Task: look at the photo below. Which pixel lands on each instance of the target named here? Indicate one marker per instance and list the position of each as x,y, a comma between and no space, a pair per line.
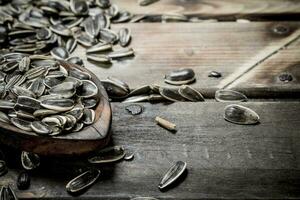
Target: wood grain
224,160
216,8
230,48
264,78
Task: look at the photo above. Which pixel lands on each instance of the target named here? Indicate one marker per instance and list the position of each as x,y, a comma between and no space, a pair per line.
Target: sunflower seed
92,26
146,2
24,115
89,103
6,193
4,104
44,112
88,116
41,128
85,40
108,36
24,64
29,160
43,33
83,181
136,99
115,88
75,60
145,89
20,91
65,90
79,7
58,104
190,93
61,30
121,53
180,76
99,58
103,3
37,87
3,167
4,118
108,155
99,47
21,124
240,115
124,36
79,74
60,53
88,89
171,94
23,181
71,45
229,96
28,104
77,127
123,16
172,174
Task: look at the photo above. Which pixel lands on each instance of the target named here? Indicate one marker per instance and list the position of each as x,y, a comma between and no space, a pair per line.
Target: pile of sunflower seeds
39,95
57,26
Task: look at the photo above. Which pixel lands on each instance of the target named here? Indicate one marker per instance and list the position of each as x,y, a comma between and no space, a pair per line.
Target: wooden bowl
87,140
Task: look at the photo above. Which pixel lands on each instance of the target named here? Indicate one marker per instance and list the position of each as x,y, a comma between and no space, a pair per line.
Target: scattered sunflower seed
180,76
83,181
108,155
172,174
229,96
190,93
23,181
240,115
146,2
29,160
6,193
3,167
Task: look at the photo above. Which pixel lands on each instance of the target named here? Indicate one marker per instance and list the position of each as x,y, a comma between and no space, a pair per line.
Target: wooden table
224,160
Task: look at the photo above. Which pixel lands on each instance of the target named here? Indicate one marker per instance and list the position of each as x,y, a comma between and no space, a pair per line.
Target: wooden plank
224,160
265,77
216,8
231,48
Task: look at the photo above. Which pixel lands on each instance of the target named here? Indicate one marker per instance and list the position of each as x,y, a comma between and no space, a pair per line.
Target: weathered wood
88,139
264,78
224,160
215,9
230,48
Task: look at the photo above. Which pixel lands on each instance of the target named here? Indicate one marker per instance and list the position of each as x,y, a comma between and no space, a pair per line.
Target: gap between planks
238,75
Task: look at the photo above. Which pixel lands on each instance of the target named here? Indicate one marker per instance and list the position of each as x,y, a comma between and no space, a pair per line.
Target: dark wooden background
224,160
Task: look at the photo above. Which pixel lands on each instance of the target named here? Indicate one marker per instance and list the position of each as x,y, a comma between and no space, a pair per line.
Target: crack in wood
235,77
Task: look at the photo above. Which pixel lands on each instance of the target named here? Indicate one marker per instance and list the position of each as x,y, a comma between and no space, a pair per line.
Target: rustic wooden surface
264,77
234,49
216,8
224,160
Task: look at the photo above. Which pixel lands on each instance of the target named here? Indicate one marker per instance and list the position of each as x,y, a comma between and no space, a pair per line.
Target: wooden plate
89,139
